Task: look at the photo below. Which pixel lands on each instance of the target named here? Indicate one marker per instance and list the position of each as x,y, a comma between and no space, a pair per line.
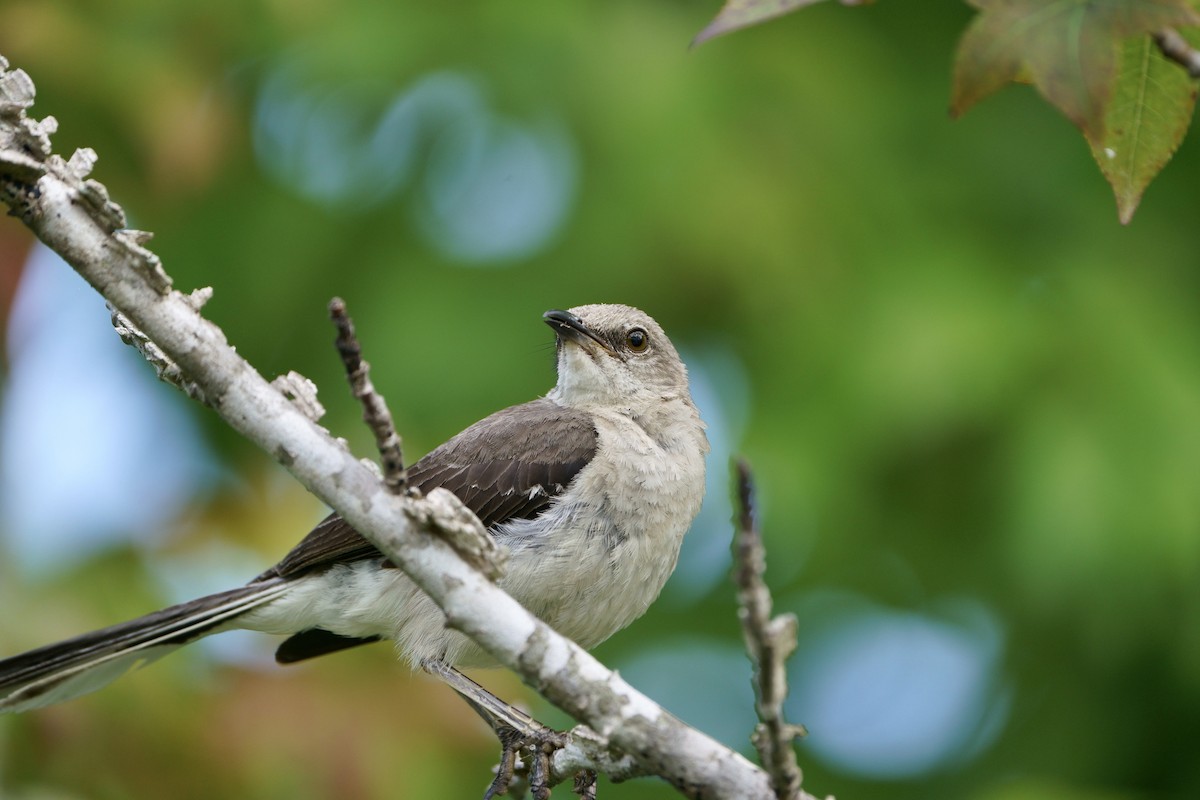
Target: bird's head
614,356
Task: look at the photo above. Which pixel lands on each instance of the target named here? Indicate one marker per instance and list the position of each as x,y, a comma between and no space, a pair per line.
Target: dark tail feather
76,666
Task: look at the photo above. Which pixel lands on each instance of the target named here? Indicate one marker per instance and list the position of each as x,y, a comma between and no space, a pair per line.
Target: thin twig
1175,47
769,641
375,410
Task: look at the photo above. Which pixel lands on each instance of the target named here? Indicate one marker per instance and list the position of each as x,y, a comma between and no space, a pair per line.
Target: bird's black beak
569,326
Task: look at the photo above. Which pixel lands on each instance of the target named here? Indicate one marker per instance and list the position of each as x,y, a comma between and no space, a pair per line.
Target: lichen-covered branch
75,218
166,369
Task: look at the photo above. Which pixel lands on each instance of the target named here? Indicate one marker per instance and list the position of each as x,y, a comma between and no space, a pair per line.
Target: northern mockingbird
591,488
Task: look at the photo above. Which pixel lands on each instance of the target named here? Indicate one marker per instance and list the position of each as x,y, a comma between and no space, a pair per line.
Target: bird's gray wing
510,465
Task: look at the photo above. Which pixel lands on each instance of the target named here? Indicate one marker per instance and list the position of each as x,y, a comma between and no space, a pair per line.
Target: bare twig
1175,47
769,641
375,410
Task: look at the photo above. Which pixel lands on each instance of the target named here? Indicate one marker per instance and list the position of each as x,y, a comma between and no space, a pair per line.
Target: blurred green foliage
965,378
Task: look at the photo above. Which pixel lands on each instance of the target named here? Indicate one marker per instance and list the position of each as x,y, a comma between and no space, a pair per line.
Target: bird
590,487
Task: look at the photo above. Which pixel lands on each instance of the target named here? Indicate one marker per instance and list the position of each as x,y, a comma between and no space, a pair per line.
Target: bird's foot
525,753
526,744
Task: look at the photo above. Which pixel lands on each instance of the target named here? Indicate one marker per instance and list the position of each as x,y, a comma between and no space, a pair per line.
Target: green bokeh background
964,378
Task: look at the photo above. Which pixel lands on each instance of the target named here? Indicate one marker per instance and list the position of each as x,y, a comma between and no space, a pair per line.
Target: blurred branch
769,641
76,219
1175,47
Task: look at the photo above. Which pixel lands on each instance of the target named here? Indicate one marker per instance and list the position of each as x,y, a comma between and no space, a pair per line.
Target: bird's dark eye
637,340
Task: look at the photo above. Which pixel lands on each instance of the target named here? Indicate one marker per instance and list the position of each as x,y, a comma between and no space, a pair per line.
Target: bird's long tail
83,664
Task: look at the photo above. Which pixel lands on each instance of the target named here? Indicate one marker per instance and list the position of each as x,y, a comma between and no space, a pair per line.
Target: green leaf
1148,116
737,14
1066,48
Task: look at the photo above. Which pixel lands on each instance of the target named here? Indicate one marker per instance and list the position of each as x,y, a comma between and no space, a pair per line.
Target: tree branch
769,641
75,218
375,410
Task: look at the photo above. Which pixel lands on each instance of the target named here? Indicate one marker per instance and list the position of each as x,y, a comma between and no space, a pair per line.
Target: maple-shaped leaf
1148,115
737,14
1066,48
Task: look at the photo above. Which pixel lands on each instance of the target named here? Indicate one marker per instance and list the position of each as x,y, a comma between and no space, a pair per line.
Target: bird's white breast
613,540
588,566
